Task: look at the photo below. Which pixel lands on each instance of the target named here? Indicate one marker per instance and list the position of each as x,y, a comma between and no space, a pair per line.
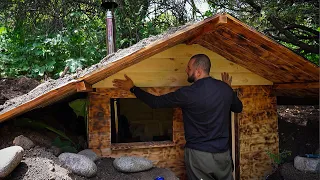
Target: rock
24,142
307,164
132,164
89,154
10,158
79,164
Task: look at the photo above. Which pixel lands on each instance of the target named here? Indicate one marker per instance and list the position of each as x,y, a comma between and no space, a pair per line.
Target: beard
191,78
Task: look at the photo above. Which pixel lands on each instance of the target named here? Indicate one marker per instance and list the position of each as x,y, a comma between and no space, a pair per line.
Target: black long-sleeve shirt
206,106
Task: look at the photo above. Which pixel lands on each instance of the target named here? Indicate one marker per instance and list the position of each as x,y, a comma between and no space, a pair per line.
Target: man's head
198,67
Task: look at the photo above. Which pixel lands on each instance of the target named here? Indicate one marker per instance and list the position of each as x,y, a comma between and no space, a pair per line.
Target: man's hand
226,78
123,84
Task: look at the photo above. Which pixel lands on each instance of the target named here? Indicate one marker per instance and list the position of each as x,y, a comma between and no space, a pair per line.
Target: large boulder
132,164
79,164
89,154
307,164
9,159
24,142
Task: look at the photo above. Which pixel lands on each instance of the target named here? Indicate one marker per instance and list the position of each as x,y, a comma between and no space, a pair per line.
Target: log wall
167,154
258,131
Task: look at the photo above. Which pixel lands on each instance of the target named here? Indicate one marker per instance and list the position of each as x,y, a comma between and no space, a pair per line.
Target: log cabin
120,125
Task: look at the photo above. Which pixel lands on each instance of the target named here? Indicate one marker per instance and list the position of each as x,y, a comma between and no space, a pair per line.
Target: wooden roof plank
229,56
311,85
266,57
240,57
272,46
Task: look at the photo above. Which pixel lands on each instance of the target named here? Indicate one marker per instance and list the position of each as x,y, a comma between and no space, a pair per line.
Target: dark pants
206,166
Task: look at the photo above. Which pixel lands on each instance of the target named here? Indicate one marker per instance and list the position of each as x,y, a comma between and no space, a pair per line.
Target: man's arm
174,99
236,105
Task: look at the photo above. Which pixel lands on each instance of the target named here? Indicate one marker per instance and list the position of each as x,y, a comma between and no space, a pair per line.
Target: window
134,121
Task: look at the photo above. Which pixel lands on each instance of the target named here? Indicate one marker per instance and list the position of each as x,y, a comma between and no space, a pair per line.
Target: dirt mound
14,87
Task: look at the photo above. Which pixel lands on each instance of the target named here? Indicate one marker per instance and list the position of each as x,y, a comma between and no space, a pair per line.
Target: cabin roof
291,74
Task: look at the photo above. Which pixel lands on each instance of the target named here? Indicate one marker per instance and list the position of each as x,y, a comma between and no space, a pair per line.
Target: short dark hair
202,61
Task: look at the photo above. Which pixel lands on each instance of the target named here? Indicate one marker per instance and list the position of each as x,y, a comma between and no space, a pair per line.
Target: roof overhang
222,34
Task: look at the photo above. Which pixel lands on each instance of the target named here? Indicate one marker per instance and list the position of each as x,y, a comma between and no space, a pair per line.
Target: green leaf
79,107
36,124
65,146
3,30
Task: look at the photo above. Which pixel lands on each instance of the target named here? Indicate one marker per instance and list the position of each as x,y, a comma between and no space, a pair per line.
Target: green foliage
79,107
278,159
41,44
67,146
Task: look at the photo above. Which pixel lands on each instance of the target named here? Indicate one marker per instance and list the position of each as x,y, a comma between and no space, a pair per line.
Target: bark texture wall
258,131
167,154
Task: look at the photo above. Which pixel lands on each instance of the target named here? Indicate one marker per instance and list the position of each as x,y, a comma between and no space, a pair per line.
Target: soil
299,134
298,130
40,163
13,87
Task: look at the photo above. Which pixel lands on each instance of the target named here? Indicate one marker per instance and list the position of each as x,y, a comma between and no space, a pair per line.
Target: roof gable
221,33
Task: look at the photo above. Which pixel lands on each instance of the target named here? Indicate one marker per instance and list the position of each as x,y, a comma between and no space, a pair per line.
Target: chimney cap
109,4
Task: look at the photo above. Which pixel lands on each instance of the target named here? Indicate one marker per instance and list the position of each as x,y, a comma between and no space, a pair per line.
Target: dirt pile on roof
14,87
54,84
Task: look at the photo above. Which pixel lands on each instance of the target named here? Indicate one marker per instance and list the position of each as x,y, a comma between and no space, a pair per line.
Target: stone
10,158
79,164
132,164
89,154
24,142
307,164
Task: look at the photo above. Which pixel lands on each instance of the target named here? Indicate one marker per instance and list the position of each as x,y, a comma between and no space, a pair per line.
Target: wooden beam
207,29
310,85
82,86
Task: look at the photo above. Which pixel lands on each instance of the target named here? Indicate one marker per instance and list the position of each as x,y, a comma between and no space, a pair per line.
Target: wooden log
310,85
83,86
141,145
207,29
